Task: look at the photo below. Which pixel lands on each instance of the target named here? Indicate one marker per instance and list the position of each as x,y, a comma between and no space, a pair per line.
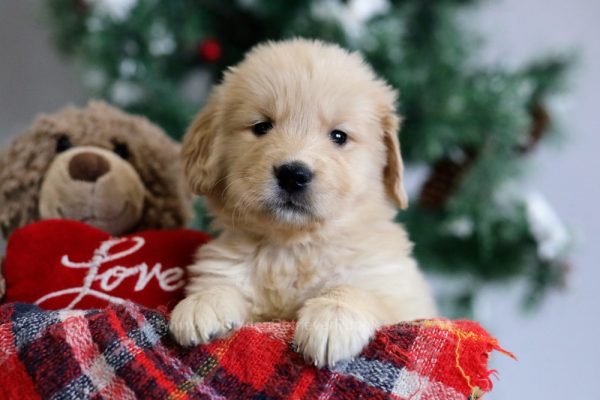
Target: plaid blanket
125,352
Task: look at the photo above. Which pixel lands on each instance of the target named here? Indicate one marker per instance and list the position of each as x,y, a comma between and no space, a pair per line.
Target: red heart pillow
66,264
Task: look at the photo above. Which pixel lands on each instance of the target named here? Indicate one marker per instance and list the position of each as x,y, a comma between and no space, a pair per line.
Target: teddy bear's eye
63,143
121,150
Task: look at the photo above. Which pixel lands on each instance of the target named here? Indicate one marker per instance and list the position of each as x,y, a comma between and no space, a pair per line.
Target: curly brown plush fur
153,155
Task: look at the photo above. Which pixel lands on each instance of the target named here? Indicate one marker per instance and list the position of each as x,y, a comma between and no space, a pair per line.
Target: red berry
210,50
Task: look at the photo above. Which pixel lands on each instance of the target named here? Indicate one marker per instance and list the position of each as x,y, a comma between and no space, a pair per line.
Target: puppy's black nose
88,167
293,177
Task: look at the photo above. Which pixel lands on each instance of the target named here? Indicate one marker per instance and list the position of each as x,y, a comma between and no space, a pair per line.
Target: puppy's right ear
199,152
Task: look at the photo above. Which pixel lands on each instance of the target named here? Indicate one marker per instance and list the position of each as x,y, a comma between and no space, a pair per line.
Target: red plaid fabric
125,352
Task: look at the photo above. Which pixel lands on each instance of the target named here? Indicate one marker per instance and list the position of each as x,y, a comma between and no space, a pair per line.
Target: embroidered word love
168,280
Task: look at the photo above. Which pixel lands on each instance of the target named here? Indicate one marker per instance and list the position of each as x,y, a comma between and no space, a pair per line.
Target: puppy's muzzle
293,177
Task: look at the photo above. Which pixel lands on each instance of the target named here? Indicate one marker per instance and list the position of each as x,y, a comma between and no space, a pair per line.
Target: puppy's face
298,134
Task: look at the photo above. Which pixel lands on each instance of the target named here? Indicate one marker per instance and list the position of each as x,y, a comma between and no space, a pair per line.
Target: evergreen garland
472,125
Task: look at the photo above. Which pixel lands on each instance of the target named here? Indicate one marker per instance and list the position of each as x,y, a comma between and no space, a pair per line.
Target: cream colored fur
344,269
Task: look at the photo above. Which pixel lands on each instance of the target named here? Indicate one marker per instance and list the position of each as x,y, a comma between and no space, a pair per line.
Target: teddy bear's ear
23,164
199,148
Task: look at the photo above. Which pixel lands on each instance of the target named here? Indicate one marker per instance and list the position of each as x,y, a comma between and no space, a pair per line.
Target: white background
558,346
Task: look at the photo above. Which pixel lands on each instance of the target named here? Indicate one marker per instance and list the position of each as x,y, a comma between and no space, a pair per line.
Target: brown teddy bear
98,165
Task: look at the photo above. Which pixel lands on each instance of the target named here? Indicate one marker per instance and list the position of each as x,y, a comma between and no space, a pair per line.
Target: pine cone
447,173
540,119
444,179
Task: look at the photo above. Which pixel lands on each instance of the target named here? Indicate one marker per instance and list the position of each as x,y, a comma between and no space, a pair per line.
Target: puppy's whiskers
243,204
243,201
224,178
225,193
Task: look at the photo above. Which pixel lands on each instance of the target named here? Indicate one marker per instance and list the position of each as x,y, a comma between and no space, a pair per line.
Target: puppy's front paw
202,317
329,331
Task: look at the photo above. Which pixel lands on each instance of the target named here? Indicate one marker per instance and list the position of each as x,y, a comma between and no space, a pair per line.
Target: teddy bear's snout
88,167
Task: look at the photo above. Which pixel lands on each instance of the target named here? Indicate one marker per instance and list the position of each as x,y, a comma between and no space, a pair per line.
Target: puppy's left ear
394,168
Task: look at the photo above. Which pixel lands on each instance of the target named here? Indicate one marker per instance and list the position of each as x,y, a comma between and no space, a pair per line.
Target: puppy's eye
338,137
262,128
63,143
121,150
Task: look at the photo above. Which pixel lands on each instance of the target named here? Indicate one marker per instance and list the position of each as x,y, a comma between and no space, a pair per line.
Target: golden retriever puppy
298,156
